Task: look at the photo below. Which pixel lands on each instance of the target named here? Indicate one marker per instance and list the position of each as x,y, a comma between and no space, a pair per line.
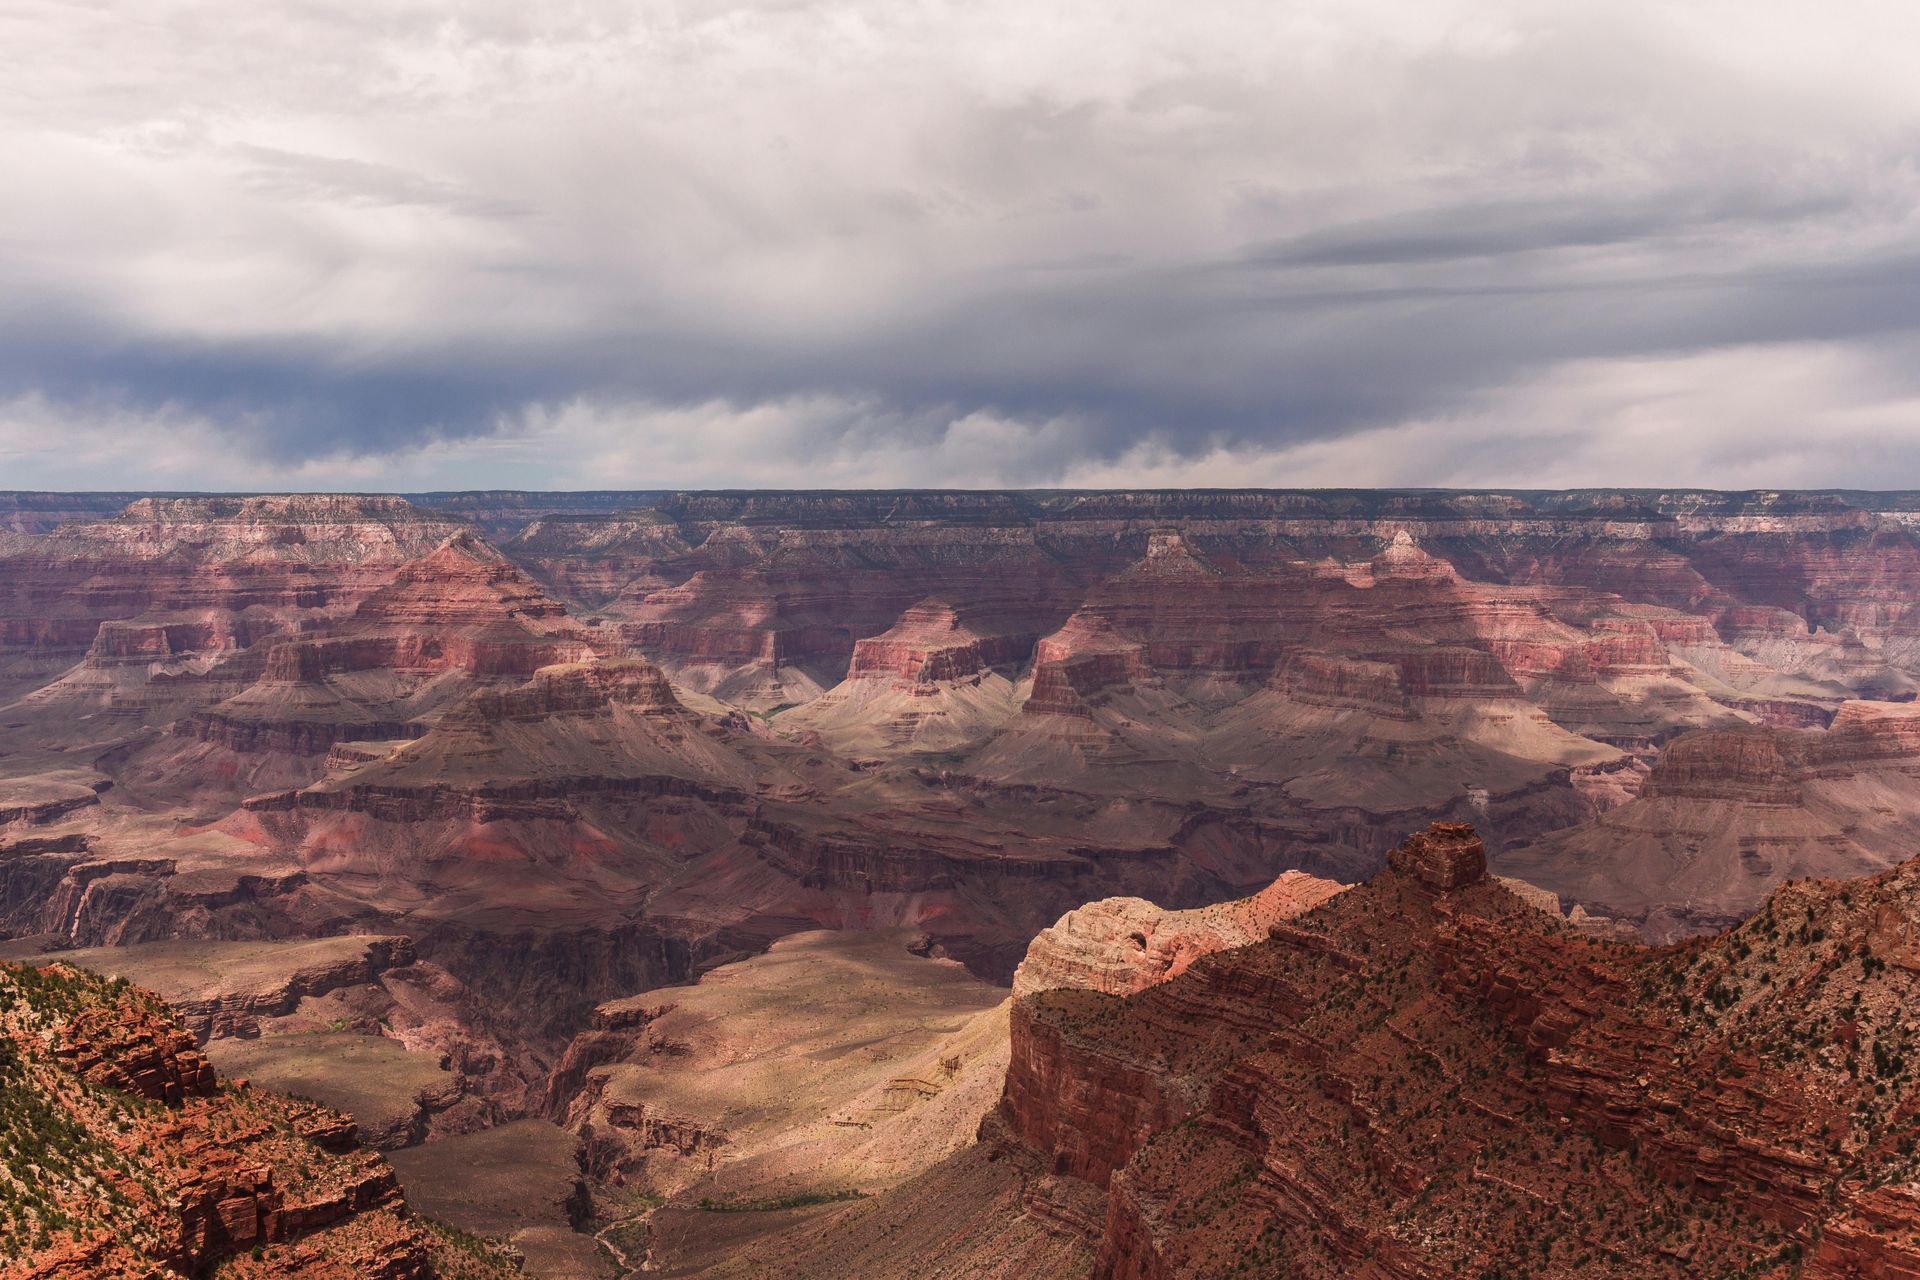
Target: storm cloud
989,243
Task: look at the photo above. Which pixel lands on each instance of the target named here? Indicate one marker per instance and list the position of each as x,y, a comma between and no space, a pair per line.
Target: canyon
1430,1075
523,827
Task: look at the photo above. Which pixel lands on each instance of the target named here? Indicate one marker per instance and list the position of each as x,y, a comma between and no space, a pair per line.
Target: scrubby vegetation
768,1204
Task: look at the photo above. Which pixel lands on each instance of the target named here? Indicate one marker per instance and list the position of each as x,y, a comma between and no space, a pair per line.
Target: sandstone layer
1122,945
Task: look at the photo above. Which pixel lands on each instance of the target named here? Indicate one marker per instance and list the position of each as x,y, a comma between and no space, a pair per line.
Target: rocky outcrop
38,801
196,1176
1445,857
932,682
930,644
1122,945
577,689
1423,1083
1748,767
125,1045
1866,735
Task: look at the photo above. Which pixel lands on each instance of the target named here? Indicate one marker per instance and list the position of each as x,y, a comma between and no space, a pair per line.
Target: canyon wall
1428,1077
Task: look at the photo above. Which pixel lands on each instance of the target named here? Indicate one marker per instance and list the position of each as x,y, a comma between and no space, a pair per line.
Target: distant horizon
883,490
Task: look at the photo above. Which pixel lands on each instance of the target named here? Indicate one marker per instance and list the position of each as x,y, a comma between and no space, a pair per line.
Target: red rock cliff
1427,1078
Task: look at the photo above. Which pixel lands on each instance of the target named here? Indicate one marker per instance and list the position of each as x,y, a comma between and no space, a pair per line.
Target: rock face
127,1157
236,567
1725,815
1415,1081
1118,946
1444,857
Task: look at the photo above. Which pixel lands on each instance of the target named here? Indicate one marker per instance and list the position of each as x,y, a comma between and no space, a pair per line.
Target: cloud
850,241
1495,230
1802,415
1805,414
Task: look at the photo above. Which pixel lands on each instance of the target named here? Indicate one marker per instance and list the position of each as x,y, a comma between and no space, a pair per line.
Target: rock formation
1426,1078
931,682
1725,815
1122,945
124,1155
1444,857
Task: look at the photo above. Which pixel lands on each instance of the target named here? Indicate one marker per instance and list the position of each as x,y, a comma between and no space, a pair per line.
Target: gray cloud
1493,230
880,242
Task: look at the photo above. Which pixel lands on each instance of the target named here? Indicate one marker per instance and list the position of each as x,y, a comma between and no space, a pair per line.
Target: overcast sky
247,244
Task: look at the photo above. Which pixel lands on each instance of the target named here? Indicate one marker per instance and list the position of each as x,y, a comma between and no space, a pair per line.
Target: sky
959,243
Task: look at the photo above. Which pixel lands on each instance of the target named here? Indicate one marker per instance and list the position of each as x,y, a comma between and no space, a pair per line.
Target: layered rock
227,564
1403,559
1009,705
1417,1081
127,1157
1122,945
1308,671
42,512
1747,767
1445,857
458,619
1345,683
930,644
570,731
1724,816
931,682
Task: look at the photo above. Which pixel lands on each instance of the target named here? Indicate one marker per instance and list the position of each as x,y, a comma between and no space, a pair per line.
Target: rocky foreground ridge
123,1155
1427,1077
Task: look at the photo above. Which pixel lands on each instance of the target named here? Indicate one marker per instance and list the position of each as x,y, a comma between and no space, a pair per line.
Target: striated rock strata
1724,816
123,1155
1118,946
1427,1078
